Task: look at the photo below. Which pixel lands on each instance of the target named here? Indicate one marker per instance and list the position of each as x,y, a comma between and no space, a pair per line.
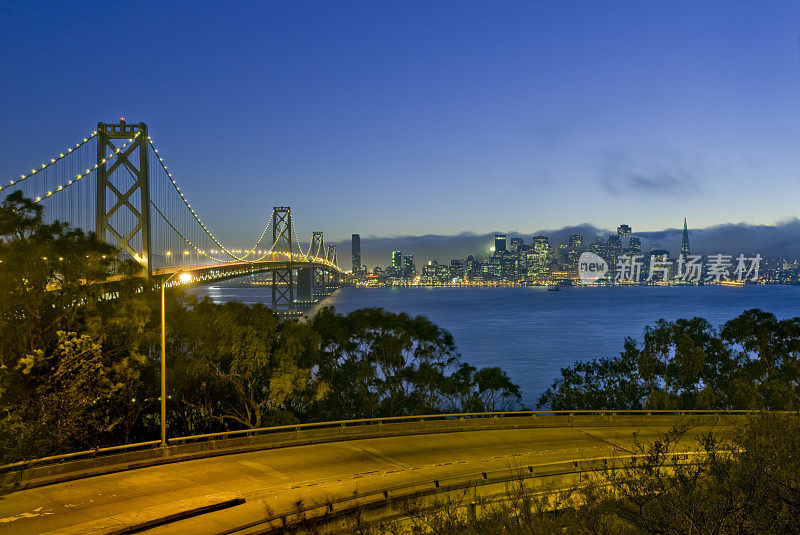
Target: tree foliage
69,358
751,363
239,365
382,364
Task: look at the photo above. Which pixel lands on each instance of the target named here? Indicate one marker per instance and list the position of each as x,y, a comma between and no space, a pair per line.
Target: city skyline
614,258
773,241
532,115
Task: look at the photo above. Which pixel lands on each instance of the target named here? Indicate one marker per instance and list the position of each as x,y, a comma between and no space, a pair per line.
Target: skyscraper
623,231
685,251
635,245
538,262
515,244
576,241
409,269
540,243
356,253
499,244
397,260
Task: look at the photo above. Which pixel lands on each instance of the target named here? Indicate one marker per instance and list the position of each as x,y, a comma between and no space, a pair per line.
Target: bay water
531,333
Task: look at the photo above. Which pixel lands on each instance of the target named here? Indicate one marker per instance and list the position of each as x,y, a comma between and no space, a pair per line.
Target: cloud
620,175
780,239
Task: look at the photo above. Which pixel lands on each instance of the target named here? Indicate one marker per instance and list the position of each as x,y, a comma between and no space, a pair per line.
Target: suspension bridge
116,184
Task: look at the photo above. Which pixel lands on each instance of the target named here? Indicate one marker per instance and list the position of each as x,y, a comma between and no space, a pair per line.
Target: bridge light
185,277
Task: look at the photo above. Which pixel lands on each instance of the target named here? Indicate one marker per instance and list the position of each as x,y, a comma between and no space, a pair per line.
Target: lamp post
184,277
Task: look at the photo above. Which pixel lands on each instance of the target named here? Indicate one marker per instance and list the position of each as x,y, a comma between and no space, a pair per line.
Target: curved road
277,480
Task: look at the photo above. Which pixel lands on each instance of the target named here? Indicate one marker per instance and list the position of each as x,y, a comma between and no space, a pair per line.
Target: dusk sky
409,118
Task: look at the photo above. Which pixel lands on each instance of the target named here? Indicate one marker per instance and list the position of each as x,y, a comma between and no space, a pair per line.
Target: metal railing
338,424
358,503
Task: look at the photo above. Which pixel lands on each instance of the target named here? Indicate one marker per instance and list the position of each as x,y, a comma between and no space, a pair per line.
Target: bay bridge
115,183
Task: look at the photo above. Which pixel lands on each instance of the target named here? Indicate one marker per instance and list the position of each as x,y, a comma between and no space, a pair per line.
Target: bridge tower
123,190
317,250
317,244
333,276
282,278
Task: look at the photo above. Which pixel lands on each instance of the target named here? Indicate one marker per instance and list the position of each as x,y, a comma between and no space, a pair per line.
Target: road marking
375,453
266,470
615,446
35,513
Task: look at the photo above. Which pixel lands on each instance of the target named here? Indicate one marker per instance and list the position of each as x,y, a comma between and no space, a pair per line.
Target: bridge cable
188,206
52,161
88,171
202,252
197,217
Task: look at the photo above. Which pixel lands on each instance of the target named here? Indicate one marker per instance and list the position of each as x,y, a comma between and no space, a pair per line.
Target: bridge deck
274,481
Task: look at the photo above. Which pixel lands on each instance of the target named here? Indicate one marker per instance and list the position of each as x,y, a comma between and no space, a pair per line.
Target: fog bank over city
780,239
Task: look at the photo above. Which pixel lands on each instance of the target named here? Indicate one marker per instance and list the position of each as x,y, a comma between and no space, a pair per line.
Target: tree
766,353
50,277
753,362
52,316
382,364
69,405
239,365
598,384
682,364
469,389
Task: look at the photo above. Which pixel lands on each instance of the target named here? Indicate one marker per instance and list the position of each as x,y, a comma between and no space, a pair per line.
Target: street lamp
183,277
